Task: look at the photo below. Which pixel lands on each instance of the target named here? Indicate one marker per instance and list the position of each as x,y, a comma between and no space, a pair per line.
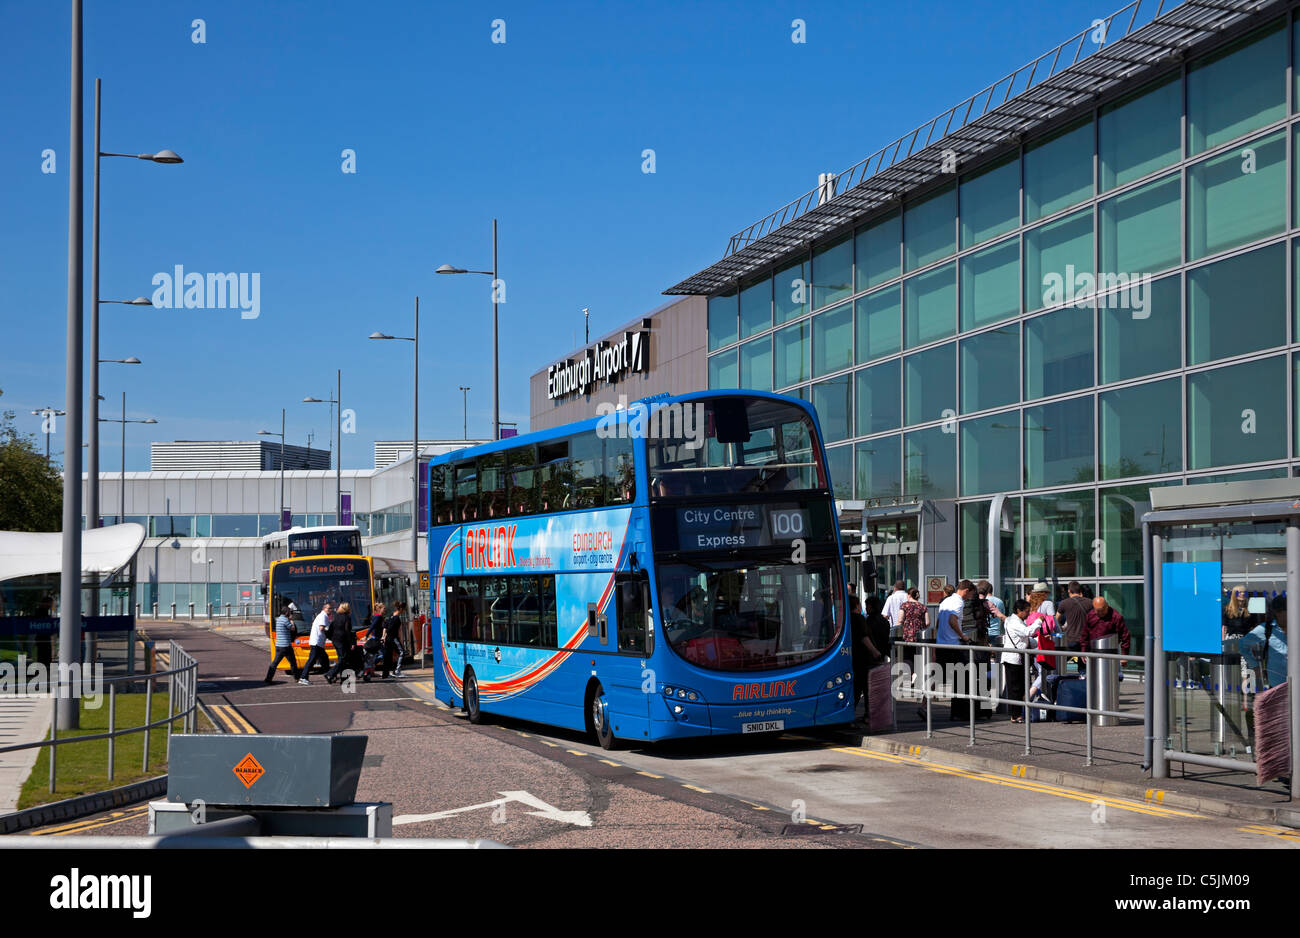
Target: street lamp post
464,400
415,441
337,401
92,467
449,269
281,436
47,414
121,504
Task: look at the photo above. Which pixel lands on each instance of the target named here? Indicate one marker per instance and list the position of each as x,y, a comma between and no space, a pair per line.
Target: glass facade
1109,305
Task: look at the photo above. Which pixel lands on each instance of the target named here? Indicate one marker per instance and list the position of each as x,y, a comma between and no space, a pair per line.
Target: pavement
1058,753
22,720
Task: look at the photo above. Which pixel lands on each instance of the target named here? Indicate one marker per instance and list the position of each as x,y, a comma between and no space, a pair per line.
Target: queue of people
384,644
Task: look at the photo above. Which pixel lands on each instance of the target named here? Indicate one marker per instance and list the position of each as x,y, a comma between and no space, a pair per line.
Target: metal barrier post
1102,682
54,734
148,718
209,610
173,610
154,614
171,696
970,702
191,609
112,724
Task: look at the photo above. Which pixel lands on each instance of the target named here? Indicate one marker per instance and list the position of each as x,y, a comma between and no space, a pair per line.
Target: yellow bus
310,582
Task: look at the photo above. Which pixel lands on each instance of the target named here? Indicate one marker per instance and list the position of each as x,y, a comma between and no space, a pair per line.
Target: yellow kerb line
1040,788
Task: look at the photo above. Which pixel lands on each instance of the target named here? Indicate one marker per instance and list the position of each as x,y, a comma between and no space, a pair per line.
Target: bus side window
466,492
492,485
630,596
620,471
521,483
439,506
549,638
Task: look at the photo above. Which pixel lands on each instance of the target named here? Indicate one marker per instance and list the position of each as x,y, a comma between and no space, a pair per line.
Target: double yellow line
1285,833
77,827
1122,804
230,719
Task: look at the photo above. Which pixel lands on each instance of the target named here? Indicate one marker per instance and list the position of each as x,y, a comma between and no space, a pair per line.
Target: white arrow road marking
541,809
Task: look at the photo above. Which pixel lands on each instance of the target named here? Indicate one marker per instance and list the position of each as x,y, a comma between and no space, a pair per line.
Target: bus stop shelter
1203,545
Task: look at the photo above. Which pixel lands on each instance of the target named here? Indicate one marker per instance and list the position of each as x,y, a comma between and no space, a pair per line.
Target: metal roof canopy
1030,97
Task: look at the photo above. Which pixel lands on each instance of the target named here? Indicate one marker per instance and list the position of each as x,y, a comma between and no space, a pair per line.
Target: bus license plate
769,727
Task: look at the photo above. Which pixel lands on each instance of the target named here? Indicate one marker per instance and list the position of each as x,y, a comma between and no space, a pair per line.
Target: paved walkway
1058,754
23,719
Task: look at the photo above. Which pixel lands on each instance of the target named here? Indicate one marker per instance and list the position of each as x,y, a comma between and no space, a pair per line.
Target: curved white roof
103,550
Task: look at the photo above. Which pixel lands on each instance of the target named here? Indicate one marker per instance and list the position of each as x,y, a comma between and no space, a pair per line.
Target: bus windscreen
730,445
309,584
749,616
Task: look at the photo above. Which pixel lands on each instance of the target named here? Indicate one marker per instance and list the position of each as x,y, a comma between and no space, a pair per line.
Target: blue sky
544,132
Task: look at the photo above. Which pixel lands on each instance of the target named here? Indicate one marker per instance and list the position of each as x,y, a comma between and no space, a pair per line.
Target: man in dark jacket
343,639
1103,621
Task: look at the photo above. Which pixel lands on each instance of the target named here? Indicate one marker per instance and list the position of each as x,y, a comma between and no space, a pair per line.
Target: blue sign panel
1191,607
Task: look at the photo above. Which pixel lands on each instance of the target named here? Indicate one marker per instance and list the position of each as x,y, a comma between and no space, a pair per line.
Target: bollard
173,610
191,610
1103,681
155,611
209,610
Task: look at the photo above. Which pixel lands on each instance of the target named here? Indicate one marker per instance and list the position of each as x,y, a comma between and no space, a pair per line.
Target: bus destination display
739,526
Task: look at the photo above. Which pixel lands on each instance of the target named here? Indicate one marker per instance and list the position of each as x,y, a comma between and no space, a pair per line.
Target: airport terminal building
1075,286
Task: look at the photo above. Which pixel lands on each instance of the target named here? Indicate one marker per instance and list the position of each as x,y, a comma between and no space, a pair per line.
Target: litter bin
1103,680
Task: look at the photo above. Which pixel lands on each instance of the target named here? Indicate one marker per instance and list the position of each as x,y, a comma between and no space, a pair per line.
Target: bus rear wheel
600,724
472,709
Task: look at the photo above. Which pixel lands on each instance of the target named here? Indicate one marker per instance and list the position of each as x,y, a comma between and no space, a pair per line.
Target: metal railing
991,700
182,703
234,612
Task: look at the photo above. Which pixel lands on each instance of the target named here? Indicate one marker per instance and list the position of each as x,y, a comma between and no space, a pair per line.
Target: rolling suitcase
1071,692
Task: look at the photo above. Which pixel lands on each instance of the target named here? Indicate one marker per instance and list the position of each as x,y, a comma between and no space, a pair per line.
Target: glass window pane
988,369
930,463
833,340
833,400
990,454
1237,414
202,525
791,355
238,525
1058,536
1237,197
879,251
1122,509
990,202
1140,133
930,384
1058,443
1234,90
790,294
756,308
723,321
973,531
1135,337
930,228
1058,261
880,324
756,364
1140,231
1058,171
1058,352
832,270
722,370
880,467
930,306
1128,600
839,463
879,398
1237,305
1141,430
990,284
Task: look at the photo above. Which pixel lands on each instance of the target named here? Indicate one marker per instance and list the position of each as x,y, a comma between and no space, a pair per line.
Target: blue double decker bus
665,570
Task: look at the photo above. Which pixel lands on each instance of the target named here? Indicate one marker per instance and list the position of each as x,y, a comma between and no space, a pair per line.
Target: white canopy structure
104,551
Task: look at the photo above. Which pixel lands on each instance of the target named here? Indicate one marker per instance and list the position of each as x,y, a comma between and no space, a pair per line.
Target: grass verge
82,768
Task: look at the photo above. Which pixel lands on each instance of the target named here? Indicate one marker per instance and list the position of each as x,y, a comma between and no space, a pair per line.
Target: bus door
631,635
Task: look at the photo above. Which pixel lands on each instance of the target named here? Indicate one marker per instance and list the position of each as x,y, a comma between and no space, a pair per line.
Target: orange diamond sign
248,770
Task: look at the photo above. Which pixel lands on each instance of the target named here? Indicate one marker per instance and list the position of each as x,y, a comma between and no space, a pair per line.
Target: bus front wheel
472,709
600,724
